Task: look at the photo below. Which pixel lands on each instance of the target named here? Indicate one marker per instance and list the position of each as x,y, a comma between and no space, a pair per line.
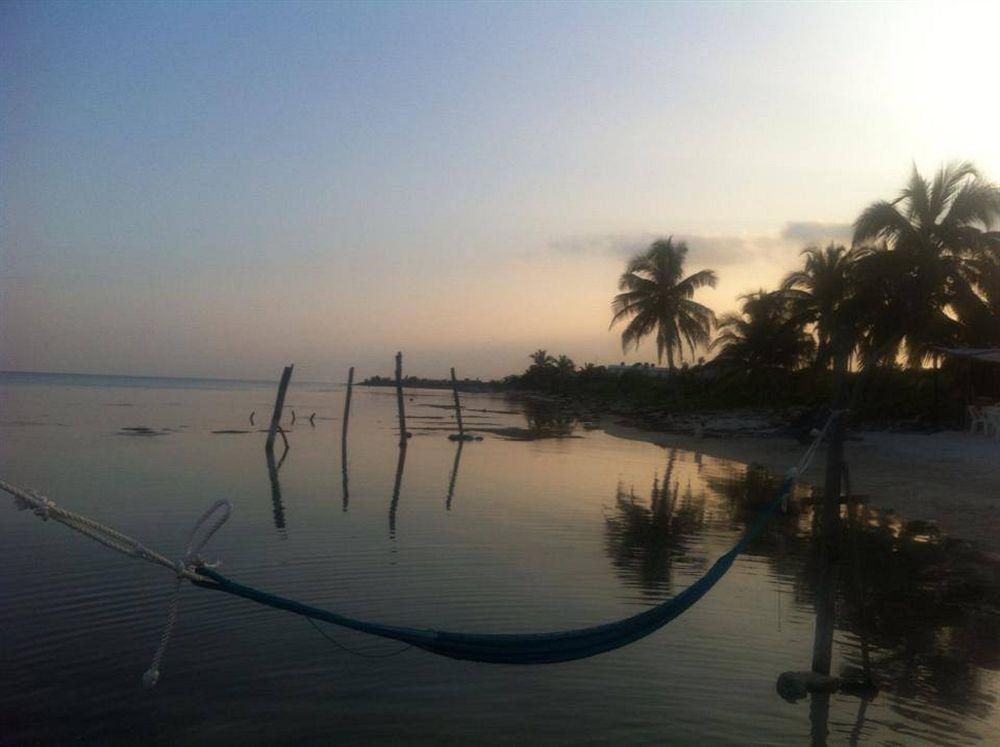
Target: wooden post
279,405
454,476
828,525
458,405
936,407
399,400
347,404
394,503
343,436
276,504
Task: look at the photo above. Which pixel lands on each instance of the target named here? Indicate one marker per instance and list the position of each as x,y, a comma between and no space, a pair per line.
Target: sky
218,189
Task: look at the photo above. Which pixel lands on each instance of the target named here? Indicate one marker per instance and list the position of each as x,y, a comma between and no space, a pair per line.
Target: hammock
497,648
519,648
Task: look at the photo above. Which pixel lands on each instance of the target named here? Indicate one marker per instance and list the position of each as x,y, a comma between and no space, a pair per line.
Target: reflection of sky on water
498,535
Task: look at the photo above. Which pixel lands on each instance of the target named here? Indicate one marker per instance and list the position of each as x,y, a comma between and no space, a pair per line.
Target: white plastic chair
978,419
992,415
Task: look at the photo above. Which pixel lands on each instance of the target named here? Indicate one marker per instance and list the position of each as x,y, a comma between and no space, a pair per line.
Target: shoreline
949,478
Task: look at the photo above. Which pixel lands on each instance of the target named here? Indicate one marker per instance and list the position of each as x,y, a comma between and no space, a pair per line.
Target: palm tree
979,312
565,364
915,283
765,334
656,297
819,294
951,212
542,358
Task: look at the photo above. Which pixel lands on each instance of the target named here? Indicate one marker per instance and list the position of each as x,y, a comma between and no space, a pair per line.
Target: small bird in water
312,420
252,413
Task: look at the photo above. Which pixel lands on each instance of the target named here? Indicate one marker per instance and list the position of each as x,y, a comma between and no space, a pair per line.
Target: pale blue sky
214,189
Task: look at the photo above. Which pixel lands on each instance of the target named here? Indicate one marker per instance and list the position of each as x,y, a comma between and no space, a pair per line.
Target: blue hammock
521,648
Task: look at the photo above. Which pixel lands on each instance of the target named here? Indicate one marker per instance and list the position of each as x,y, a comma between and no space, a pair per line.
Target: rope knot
43,507
187,567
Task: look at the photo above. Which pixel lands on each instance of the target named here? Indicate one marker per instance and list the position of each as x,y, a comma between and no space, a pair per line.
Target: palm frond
977,202
880,220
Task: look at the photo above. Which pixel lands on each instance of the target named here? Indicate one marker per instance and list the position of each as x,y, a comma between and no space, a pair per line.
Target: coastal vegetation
922,273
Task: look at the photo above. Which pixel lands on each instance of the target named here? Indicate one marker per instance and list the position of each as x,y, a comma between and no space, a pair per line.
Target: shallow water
508,534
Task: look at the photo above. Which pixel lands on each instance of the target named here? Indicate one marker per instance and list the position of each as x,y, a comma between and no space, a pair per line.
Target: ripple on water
542,535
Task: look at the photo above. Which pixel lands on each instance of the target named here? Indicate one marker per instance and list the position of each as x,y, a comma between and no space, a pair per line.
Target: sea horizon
122,379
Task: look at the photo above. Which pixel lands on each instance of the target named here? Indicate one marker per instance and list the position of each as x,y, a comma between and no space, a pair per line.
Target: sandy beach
951,478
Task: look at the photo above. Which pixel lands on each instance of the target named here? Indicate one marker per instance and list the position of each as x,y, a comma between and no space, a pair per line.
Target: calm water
507,535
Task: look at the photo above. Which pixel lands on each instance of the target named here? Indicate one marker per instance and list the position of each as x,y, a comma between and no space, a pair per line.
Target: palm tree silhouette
819,294
915,283
765,334
565,364
979,312
541,358
656,297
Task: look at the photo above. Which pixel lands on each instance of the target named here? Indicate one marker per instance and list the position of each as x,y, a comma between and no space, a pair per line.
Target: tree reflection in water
643,541
548,419
924,608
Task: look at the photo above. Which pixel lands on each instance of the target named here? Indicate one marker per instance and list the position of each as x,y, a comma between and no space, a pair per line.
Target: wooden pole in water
399,400
343,437
347,404
828,531
272,474
454,476
458,405
828,526
394,503
279,405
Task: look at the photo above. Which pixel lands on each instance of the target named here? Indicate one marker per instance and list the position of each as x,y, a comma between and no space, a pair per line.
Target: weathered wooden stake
394,503
276,504
279,405
458,405
347,404
399,400
343,437
454,475
828,525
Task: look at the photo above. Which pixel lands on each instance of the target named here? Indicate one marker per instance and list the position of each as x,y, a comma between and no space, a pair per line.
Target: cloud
815,232
716,251
613,244
722,251
712,250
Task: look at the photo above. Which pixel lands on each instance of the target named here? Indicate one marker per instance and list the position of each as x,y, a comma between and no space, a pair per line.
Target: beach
951,478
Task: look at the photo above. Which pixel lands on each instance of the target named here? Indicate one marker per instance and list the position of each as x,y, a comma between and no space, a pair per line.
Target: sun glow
944,65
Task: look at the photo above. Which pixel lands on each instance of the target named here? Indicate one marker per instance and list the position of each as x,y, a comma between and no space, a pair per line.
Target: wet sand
950,478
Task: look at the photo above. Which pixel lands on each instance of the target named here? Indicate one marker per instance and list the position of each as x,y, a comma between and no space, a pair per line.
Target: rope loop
218,514
186,567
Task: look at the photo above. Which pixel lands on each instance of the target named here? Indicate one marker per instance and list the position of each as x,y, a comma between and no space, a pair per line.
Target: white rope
196,542
818,436
207,525
807,457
